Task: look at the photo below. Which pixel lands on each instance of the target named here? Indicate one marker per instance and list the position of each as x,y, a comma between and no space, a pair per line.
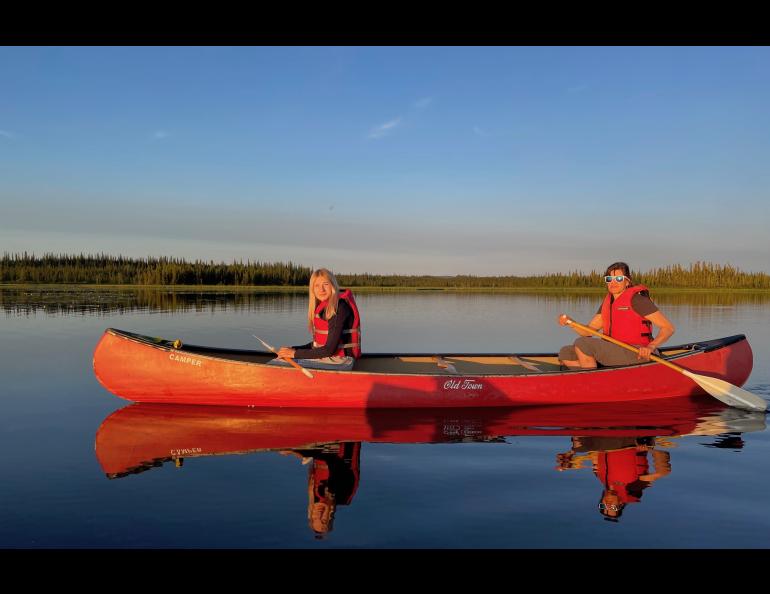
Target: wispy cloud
160,135
577,89
385,129
5,134
487,133
388,127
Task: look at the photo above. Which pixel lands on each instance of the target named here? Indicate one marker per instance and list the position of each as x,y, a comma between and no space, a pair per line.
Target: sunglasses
617,279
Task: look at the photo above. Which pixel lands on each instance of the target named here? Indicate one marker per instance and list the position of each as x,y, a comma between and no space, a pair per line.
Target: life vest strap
351,331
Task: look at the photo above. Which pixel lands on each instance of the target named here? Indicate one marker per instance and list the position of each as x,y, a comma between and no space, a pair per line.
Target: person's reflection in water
333,478
621,464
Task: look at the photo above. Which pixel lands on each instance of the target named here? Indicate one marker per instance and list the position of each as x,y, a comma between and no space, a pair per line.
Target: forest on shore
102,269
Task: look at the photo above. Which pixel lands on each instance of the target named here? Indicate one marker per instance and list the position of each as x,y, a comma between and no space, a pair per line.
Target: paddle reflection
627,446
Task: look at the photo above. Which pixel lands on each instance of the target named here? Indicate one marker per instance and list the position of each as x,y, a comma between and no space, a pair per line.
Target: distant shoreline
303,289
110,271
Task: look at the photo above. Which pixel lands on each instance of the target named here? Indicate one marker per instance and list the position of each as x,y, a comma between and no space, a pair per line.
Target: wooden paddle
719,389
291,362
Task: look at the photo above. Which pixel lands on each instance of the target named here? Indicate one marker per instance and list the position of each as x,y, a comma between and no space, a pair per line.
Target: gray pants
604,352
332,363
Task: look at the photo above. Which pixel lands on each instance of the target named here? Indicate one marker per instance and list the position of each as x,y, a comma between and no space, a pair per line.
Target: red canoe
144,369
142,436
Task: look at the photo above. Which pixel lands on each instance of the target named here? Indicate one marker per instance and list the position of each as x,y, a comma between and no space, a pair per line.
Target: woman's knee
567,353
585,344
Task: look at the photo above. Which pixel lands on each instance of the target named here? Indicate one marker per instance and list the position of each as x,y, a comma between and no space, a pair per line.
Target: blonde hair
320,509
331,306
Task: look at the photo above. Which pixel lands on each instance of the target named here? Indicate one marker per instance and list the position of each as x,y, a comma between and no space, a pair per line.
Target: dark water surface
83,468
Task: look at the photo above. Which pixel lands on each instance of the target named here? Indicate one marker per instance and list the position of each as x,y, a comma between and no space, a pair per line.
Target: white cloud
6,134
479,131
160,135
384,129
388,127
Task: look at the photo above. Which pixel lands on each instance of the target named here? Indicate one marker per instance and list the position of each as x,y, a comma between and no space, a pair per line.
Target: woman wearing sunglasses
627,314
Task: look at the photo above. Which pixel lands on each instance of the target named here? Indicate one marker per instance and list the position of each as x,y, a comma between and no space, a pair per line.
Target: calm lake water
83,468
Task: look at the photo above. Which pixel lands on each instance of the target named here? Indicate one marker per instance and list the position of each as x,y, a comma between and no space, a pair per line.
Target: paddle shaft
291,362
572,322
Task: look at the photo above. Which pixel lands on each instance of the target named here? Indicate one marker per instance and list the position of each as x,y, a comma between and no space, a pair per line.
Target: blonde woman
335,324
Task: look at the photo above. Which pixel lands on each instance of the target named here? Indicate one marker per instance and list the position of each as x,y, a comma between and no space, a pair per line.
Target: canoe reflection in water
625,443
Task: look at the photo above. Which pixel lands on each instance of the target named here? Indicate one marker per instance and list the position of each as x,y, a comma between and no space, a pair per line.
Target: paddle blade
728,393
730,420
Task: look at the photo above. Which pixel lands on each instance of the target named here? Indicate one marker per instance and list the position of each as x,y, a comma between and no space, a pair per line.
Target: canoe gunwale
688,350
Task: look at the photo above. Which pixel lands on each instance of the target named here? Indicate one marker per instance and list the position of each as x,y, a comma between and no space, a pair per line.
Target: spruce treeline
572,279
699,275
118,270
704,275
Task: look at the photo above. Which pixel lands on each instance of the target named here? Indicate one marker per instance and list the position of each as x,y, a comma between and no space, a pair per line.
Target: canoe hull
141,372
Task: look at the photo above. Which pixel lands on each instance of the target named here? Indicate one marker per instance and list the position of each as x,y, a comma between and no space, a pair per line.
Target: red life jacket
345,462
621,468
351,337
622,322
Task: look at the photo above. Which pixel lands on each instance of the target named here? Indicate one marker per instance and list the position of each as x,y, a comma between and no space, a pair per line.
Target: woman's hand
645,352
286,352
564,319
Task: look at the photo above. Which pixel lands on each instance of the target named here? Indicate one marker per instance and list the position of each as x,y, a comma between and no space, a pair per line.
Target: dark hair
606,512
619,266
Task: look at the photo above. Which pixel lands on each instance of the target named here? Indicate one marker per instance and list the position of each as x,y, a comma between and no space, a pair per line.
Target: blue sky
435,160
